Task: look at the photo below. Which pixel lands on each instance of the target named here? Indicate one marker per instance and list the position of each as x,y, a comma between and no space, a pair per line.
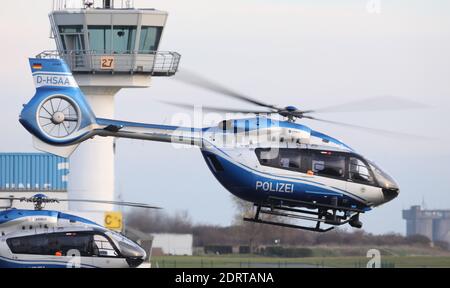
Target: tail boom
150,132
60,118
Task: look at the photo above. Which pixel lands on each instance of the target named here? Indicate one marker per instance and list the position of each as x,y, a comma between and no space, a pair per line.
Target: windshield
383,178
126,247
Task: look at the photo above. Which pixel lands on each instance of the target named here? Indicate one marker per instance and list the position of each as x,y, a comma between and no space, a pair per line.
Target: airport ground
226,261
333,257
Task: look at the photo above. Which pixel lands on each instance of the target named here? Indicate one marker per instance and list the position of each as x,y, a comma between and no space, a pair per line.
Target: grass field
309,262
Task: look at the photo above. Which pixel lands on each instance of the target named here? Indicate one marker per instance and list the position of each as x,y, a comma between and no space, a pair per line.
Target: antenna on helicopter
39,201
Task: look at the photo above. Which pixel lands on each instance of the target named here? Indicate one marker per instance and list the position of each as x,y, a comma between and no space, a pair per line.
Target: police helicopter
285,168
50,239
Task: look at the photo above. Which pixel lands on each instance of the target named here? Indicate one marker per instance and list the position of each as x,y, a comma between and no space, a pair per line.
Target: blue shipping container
33,172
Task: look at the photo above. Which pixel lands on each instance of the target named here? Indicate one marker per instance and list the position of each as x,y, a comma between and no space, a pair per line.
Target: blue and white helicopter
52,239
286,169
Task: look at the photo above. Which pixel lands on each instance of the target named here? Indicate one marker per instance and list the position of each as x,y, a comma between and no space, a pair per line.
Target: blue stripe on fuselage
10,263
243,184
13,214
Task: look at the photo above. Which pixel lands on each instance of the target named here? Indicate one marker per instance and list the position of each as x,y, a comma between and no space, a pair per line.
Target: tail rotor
58,117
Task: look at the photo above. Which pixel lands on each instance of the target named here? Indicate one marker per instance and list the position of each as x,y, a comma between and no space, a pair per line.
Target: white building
173,244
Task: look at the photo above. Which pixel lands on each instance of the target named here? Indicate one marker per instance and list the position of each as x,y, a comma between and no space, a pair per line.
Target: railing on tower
95,4
155,63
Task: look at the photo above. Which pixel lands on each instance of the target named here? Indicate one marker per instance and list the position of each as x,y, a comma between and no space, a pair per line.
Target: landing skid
322,216
315,229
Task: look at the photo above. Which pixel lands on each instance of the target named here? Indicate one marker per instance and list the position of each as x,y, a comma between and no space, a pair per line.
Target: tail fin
58,115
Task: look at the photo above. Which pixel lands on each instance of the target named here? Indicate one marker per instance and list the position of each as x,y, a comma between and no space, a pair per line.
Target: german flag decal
37,66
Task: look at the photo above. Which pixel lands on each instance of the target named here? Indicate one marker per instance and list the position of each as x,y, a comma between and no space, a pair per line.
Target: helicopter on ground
52,239
285,168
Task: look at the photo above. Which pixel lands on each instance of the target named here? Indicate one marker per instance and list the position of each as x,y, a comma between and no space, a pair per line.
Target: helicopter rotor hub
58,117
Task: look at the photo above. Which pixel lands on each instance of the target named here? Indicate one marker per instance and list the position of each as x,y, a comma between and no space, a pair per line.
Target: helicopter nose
390,193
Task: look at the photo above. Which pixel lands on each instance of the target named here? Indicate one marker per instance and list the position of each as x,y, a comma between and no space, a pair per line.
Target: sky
309,54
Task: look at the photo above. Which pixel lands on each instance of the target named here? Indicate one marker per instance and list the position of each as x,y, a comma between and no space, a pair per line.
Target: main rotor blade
217,109
119,203
13,198
381,103
372,130
199,81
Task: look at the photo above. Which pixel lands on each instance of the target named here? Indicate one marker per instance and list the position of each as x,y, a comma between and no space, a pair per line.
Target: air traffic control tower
109,45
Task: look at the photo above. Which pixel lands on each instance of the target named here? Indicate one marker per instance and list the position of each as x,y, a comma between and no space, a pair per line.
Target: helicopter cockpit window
36,244
126,247
60,244
358,171
290,159
327,164
51,244
284,158
383,179
102,247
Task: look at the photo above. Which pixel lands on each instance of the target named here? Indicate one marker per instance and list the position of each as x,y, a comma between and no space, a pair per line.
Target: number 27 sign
107,63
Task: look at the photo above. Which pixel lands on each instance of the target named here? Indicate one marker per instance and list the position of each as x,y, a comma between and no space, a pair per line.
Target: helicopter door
105,255
328,168
73,247
68,249
360,180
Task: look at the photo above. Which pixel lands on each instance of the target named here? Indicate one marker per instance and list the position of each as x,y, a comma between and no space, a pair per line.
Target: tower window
72,37
70,29
100,39
116,39
124,38
150,37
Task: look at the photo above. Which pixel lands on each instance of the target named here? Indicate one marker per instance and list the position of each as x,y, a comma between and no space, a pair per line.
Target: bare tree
159,221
